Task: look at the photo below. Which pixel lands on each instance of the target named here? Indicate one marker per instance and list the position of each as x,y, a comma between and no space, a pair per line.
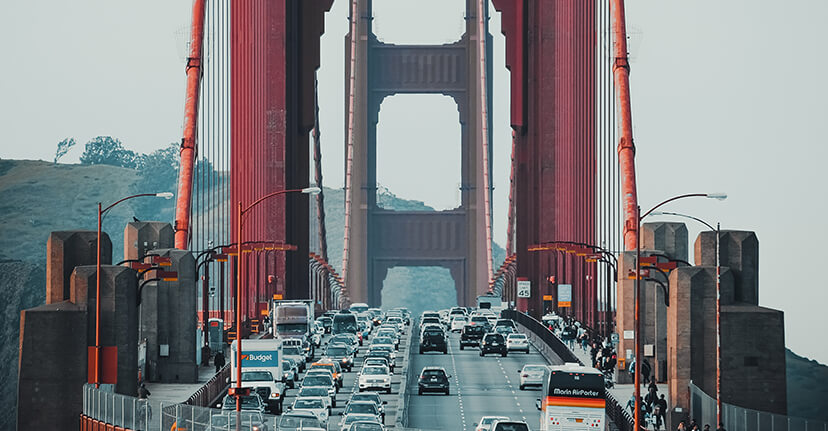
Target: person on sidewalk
219,361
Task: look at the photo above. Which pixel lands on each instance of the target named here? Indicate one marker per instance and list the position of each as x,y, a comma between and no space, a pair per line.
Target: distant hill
807,387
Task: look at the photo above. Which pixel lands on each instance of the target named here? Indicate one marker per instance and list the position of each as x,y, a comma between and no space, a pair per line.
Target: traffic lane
350,386
481,386
432,411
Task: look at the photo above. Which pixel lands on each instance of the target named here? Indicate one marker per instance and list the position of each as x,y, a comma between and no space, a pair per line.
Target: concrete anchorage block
738,250
691,331
670,238
64,251
119,316
168,318
52,366
141,237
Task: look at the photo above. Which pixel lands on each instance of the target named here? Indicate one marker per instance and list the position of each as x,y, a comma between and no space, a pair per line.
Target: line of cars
318,381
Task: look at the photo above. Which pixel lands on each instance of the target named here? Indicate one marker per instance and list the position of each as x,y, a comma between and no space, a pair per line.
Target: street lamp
718,307
240,269
101,212
717,196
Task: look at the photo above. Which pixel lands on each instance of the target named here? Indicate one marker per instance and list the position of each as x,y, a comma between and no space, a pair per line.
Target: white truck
261,370
294,319
494,303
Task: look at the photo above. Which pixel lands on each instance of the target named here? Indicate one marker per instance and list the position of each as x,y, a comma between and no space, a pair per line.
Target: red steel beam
188,142
626,148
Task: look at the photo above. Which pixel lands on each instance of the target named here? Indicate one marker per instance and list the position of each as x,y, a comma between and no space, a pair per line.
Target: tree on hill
158,172
106,150
63,147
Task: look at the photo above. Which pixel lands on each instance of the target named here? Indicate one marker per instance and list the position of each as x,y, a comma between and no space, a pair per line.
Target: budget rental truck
261,370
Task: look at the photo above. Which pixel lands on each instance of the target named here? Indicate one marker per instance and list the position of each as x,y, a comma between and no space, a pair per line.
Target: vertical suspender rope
349,162
188,142
484,127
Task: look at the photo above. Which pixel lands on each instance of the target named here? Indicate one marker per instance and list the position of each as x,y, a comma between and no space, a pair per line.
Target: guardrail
402,405
103,410
211,390
614,411
703,409
543,333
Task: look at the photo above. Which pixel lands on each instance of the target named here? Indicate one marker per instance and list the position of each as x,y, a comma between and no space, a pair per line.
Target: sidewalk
179,392
621,393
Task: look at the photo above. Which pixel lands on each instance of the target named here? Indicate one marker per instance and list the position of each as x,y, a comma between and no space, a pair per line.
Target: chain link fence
703,409
148,415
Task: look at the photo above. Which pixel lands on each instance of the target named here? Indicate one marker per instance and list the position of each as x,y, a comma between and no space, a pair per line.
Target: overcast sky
727,96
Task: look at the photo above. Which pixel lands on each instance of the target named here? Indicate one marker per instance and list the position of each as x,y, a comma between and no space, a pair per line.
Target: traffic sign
564,295
524,289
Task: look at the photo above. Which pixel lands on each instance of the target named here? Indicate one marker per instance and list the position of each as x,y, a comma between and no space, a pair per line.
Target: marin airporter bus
574,399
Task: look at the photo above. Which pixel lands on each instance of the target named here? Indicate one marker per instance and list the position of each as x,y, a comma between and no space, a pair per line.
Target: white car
315,405
396,321
457,323
486,422
531,375
319,391
517,342
375,377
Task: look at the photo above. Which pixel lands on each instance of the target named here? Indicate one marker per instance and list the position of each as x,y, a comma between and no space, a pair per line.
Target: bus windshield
344,323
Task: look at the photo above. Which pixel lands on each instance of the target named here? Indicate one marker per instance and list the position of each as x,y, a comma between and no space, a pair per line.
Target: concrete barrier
402,406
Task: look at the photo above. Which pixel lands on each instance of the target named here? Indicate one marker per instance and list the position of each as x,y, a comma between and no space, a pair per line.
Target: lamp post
240,270
101,212
637,341
718,231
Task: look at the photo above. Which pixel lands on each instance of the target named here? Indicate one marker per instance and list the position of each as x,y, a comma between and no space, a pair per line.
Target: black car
471,335
433,379
433,340
339,352
493,343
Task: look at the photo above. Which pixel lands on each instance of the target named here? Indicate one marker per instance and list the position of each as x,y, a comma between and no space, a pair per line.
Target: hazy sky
727,96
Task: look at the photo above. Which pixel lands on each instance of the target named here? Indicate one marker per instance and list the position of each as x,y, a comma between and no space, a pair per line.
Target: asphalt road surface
487,386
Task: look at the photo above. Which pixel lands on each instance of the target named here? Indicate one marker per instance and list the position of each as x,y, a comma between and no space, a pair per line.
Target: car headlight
274,395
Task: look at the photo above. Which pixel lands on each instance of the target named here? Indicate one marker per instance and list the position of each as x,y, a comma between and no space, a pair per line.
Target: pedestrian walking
662,406
721,427
219,361
645,371
143,392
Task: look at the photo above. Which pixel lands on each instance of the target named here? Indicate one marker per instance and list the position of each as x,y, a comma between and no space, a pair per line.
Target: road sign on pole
524,289
564,295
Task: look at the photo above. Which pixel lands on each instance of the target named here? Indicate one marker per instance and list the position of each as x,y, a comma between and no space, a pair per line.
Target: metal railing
145,414
703,409
211,390
614,411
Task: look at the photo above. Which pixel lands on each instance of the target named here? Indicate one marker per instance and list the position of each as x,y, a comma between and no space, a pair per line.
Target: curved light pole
240,270
718,307
101,213
637,342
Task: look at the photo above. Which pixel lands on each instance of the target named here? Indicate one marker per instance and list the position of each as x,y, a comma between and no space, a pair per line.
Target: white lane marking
457,384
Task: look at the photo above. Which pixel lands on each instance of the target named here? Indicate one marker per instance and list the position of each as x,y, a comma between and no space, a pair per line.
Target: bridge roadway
480,386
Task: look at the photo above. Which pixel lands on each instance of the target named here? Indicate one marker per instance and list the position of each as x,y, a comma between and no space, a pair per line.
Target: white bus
574,399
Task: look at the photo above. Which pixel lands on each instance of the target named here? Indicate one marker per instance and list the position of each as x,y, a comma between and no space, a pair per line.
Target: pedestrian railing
136,414
211,390
620,417
703,409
